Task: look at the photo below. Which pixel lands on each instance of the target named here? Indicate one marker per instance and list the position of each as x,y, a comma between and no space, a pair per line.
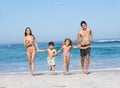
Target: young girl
66,47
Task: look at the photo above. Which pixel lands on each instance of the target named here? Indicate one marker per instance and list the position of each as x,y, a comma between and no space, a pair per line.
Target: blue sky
54,20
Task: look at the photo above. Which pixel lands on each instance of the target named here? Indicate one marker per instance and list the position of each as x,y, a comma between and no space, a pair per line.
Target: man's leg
87,60
87,63
82,64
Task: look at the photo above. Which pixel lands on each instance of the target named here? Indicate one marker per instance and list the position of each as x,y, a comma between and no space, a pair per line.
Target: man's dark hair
51,43
83,22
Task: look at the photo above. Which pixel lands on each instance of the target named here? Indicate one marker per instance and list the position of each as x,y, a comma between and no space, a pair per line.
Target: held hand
79,45
56,54
38,50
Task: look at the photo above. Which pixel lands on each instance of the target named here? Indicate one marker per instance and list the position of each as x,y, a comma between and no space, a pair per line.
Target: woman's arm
26,43
36,44
42,50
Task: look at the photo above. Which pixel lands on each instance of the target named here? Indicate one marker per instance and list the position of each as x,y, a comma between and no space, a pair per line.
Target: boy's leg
53,69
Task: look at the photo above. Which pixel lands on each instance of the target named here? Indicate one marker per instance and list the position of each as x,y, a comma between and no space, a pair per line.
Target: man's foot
83,72
86,72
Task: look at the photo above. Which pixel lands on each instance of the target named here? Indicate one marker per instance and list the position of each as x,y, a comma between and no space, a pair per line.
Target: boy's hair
51,43
69,41
83,22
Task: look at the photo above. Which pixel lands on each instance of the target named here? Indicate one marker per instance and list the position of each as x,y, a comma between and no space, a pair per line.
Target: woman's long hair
26,31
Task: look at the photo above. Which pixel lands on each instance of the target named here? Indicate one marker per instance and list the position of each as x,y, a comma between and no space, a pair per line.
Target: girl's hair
70,41
26,31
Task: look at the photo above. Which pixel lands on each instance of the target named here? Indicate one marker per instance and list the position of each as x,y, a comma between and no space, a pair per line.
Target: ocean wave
108,40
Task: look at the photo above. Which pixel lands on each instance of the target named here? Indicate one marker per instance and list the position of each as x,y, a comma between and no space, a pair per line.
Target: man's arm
78,38
91,35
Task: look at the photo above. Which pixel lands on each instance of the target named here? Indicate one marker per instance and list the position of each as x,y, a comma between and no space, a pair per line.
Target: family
83,42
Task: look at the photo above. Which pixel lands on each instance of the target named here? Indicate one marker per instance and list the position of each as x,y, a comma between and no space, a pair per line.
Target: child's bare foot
32,74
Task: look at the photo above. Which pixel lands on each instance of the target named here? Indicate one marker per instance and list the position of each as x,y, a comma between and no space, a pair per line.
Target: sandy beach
96,79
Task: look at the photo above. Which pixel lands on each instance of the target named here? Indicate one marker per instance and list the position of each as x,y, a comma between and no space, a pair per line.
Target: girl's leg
68,61
32,61
64,64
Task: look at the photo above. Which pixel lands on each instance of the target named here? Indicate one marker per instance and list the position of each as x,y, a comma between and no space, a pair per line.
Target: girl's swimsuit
66,51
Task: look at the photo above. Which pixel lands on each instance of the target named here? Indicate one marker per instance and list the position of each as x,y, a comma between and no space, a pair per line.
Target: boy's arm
42,50
56,53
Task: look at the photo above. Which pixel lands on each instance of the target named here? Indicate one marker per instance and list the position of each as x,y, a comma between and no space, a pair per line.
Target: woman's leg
32,61
29,59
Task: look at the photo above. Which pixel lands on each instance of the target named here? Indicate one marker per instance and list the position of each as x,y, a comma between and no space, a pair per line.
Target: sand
96,79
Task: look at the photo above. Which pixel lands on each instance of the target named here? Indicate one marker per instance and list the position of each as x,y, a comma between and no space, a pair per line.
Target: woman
32,46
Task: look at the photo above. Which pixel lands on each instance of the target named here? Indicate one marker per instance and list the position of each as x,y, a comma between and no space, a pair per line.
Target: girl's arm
80,47
60,49
75,47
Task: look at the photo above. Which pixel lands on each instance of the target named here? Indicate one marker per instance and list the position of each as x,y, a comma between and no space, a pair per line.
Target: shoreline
60,71
96,79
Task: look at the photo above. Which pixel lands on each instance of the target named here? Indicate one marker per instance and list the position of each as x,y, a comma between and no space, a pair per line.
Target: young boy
51,56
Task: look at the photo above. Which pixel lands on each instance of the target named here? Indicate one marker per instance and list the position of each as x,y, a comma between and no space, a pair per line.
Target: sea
105,55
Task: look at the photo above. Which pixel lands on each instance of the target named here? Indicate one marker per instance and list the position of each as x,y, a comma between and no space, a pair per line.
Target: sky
55,20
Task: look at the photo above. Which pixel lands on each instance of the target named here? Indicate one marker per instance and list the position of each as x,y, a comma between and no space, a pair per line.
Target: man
85,34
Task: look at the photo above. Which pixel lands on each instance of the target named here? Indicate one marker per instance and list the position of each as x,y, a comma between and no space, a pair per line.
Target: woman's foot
52,73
